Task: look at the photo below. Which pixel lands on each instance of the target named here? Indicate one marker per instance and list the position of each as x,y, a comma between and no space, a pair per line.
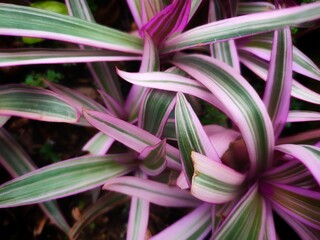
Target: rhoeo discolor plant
231,180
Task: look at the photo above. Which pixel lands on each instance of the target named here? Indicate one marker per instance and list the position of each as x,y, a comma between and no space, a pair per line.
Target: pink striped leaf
103,73
174,17
303,116
278,85
262,21
246,220
270,231
307,136
224,51
35,103
150,62
261,47
31,22
17,162
213,181
300,204
243,105
292,173
155,111
130,135
191,136
135,9
113,106
306,154
99,144
171,80
304,231
242,26
14,57
63,179
77,100
194,225
259,67
138,216
153,159
154,192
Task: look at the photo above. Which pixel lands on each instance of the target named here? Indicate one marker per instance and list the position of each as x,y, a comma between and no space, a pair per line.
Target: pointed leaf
242,26
113,106
307,136
25,21
138,217
130,135
224,51
174,17
261,47
195,225
270,231
292,173
103,74
17,162
278,87
80,9
303,230
154,192
259,67
191,136
243,105
214,182
62,179
153,159
99,144
149,9
155,111
150,62
170,82
300,204
303,116
247,219
77,100
35,103
306,154
14,57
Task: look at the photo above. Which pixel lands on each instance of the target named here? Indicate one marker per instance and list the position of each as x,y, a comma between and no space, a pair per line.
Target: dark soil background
50,142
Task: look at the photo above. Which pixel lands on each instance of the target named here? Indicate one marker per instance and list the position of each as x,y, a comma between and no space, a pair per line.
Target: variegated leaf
243,105
214,182
191,136
35,103
62,179
242,26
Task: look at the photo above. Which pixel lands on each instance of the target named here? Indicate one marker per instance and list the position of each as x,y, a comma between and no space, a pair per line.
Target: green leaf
35,103
62,179
243,26
26,21
191,136
241,102
247,219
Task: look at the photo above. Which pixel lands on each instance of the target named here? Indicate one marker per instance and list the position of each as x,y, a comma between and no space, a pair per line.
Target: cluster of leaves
231,179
